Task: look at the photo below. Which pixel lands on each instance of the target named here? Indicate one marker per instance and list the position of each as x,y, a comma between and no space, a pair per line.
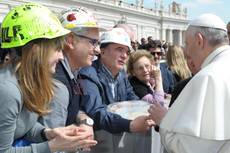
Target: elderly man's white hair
211,27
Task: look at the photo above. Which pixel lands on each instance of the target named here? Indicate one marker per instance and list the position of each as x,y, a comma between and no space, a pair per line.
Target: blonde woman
145,77
35,38
177,63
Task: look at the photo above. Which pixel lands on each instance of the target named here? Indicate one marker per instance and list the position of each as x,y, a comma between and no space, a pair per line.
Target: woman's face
56,55
141,69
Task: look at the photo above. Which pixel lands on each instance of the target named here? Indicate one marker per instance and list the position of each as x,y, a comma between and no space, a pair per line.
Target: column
167,35
139,32
170,36
180,37
163,34
157,32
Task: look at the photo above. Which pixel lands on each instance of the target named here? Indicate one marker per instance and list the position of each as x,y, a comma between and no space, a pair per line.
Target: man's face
157,53
114,57
192,50
143,41
84,47
190,63
134,45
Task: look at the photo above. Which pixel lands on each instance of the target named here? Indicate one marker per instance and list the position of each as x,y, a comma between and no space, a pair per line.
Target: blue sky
197,7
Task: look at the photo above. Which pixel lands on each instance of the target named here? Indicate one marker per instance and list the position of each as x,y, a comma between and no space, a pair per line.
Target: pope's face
193,50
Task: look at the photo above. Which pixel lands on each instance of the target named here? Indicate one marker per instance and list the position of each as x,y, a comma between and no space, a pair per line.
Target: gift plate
129,109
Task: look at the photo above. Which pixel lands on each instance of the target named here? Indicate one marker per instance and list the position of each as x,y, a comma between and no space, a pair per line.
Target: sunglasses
157,53
93,42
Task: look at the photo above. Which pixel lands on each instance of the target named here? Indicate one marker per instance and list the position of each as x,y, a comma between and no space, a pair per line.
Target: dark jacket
177,90
74,98
167,78
141,89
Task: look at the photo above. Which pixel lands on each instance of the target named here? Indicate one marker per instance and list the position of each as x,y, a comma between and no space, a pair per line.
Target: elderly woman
145,77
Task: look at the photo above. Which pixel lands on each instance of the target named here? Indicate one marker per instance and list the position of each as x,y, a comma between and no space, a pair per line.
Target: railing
151,11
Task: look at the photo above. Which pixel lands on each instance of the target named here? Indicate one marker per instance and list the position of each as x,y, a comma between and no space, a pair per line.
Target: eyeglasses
92,41
157,53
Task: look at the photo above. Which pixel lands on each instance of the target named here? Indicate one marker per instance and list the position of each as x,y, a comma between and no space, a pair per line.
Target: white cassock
199,119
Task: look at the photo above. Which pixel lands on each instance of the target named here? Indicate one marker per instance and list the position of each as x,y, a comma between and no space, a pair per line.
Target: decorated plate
129,109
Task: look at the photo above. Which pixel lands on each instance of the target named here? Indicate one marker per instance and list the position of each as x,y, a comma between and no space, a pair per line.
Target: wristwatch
87,121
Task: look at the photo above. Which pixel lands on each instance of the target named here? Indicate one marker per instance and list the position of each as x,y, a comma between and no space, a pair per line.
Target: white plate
129,109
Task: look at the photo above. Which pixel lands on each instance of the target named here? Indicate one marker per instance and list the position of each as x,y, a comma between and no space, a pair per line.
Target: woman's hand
88,129
156,73
70,138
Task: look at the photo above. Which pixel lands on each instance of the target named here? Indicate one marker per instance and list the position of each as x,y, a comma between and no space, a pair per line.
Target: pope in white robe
198,121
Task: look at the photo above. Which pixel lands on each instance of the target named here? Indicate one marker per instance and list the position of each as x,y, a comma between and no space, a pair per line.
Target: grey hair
212,35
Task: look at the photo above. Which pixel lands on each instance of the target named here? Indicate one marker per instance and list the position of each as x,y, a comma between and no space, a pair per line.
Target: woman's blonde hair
136,56
34,76
177,62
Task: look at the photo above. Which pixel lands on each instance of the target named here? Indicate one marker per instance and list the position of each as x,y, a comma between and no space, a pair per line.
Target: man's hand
141,124
157,112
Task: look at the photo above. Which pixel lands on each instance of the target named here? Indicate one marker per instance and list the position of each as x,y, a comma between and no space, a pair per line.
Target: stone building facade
160,23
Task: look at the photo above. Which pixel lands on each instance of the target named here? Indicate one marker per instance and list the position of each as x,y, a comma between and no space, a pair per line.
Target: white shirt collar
214,54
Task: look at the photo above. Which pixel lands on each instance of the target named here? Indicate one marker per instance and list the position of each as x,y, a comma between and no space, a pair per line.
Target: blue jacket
168,78
97,95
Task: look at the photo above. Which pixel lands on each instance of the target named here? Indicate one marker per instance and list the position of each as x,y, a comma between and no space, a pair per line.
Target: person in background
150,39
228,29
4,56
180,85
135,45
204,102
154,48
105,82
143,43
35,39
165,46
145,77
177,63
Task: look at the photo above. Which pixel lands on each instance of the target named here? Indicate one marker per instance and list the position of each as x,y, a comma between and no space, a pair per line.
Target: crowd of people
58,75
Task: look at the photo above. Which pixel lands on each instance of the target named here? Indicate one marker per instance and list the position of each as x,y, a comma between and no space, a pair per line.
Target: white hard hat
116,35
210,21
78,17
